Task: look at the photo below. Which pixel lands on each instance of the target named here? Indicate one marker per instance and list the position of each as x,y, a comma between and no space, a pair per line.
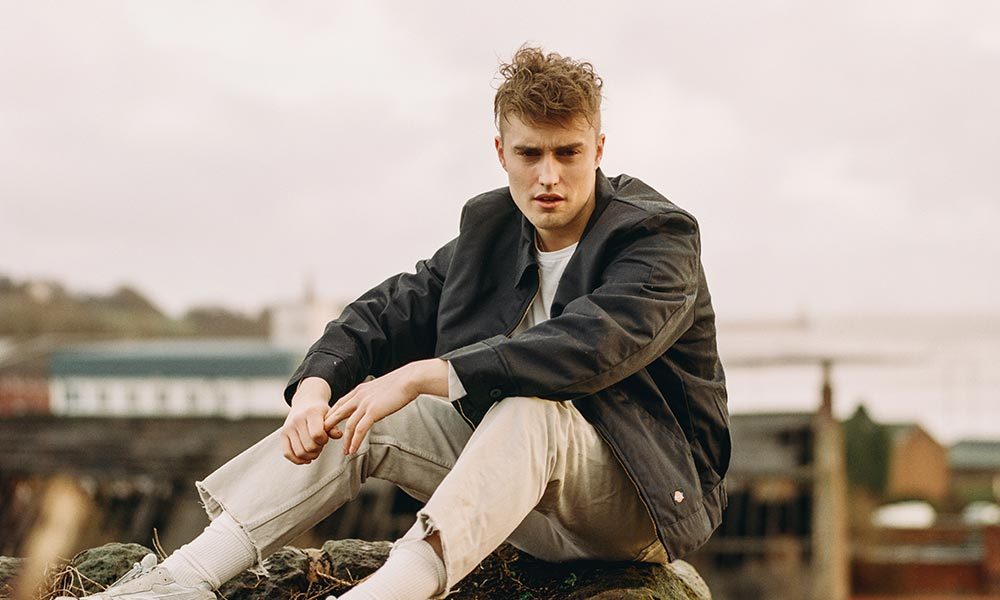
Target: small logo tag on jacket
678,496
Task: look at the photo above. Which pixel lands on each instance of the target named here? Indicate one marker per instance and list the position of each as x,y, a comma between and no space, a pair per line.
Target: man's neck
553,243
551,240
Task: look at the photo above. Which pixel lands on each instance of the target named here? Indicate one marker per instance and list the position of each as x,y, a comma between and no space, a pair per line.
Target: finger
314,424
288,453
331,418
346,398
330,427
310,448
349,428
338,414
364,424
294,447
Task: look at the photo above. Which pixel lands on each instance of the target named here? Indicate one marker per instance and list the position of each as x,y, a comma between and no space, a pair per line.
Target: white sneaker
146,581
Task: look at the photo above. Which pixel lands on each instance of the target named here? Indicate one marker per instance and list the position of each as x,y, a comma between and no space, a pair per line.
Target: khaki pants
534,473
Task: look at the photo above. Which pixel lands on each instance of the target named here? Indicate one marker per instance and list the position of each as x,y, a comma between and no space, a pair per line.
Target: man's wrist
313,389
430,377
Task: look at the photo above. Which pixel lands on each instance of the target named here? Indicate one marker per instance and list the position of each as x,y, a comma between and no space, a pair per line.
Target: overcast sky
840,157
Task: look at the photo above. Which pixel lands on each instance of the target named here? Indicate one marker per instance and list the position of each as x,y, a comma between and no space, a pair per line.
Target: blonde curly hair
547,89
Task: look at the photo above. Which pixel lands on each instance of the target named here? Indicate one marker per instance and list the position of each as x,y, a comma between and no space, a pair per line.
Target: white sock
219,553
412,571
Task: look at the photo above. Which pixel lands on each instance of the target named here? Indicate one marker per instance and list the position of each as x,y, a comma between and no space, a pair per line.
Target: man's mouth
548,200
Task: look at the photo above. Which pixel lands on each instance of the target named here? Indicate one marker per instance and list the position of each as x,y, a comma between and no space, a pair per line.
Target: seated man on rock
548,378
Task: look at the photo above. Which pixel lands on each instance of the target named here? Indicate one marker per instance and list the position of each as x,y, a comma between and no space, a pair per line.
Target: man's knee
525,406
526,415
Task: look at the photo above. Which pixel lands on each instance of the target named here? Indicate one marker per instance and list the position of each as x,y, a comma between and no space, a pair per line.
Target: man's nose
548,171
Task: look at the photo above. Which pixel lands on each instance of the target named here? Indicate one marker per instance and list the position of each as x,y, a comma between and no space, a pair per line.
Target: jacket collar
603,193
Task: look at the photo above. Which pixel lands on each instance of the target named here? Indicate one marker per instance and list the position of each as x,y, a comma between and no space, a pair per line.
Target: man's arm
390,326
644,303
311,422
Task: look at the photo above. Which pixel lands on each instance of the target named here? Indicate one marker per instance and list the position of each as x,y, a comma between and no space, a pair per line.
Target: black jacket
631,340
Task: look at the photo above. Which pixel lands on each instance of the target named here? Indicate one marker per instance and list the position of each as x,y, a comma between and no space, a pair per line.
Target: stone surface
95,569
8,570
310,574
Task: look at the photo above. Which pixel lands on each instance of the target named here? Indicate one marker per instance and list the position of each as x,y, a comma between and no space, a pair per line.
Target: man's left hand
374,400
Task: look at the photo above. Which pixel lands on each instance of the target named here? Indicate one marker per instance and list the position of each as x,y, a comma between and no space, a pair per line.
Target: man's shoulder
492,199
634,201
492,207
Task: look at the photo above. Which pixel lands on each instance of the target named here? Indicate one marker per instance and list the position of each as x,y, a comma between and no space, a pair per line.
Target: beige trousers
534,473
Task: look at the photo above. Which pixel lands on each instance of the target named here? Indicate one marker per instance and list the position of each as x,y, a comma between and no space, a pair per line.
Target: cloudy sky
841,157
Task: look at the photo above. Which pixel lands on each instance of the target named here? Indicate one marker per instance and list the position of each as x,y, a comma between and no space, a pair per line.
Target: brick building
918,465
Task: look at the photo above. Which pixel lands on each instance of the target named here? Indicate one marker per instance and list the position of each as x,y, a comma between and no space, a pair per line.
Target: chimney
826,394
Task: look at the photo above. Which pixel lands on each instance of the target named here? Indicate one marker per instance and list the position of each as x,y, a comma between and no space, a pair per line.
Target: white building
296,325
232,378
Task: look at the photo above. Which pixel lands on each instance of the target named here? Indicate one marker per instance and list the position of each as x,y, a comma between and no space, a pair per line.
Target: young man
549,378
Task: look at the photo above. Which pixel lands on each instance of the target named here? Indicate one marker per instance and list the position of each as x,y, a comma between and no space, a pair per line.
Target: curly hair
547,89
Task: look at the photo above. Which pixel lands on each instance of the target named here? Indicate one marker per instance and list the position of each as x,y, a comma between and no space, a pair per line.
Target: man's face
551,174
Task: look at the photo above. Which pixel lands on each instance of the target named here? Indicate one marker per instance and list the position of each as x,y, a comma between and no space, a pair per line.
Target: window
72,399
220,402
163,401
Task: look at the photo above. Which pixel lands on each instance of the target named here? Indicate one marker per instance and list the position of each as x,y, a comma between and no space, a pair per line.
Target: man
569,327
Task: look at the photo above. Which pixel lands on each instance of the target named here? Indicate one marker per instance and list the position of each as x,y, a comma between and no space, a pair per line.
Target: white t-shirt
550,269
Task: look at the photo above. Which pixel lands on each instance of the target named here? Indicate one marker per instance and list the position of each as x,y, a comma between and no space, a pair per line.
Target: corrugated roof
771,421
175,358
975,454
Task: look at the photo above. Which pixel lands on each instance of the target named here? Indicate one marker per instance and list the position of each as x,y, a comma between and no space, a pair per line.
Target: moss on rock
311,574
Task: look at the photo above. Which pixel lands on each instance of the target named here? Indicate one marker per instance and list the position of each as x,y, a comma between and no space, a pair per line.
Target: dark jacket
631,340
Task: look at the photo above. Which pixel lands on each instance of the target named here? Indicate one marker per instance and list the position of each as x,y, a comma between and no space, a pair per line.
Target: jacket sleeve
642,305
392,324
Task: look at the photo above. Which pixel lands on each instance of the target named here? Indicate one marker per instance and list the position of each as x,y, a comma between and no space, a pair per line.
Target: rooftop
975,454
175,358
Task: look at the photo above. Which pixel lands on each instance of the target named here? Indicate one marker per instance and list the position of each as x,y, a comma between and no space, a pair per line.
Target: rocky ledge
308,574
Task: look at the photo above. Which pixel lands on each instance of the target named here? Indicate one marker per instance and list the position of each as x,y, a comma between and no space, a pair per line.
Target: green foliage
29,309
216,320
866,444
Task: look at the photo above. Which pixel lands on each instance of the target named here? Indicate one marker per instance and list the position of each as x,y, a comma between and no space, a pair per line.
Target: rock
311,574
507,573
93,570
9,568
291,572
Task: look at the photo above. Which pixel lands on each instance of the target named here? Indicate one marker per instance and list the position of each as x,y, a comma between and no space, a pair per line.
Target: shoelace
137,569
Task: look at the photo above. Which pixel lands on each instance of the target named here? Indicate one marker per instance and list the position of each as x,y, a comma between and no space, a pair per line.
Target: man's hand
376,399
303,433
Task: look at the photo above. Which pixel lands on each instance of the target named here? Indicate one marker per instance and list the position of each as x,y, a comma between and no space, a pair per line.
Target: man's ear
498,142
600,152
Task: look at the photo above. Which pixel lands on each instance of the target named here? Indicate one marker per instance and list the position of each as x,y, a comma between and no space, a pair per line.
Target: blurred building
24,375
783,534
918,464
158,378
975,467
297,324
943,561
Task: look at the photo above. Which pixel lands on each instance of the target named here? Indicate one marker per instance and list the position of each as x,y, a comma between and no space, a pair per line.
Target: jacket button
495,393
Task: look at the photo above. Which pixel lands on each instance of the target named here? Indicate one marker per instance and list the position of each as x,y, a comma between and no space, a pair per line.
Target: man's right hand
303,434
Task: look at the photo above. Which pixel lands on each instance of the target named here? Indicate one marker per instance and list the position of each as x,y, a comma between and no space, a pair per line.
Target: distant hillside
32,307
